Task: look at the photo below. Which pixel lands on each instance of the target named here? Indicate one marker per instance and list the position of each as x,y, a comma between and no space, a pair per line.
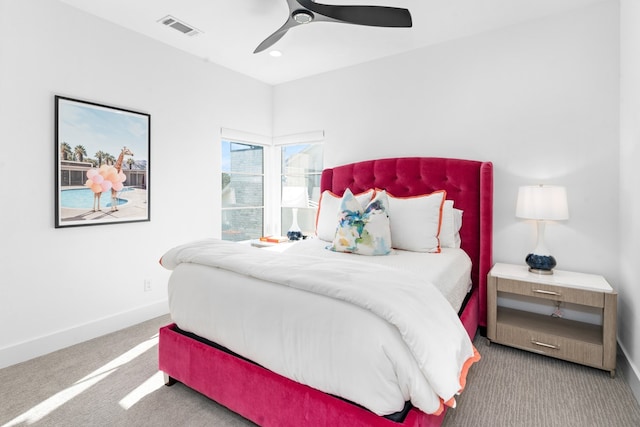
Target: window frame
272,170
283,228
265,149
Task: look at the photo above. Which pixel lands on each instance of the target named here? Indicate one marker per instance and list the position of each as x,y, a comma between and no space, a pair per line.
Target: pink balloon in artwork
96,188
106,185
104,179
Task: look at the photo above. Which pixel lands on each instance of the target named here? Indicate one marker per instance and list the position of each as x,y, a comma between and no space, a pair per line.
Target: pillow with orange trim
416,221
363,231
328,210
451,224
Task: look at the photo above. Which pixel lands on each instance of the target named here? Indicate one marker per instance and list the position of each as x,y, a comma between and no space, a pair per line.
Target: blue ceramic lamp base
540,264
294,235
294,232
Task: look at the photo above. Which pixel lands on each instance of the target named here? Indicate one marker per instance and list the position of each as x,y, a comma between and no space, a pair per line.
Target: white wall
54,289
540,100
629,291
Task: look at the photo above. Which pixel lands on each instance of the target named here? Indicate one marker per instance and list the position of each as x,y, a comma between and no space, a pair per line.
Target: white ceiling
233,28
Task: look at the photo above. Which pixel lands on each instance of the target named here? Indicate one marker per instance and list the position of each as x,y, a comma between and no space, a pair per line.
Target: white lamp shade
542,202
295,197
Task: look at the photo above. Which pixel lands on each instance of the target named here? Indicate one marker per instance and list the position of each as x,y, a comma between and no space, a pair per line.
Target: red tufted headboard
468,183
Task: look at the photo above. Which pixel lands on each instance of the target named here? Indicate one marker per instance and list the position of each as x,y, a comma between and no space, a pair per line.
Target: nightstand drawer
551,345
550,292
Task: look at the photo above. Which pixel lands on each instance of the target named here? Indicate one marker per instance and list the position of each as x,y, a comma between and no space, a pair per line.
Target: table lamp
542,203
294,198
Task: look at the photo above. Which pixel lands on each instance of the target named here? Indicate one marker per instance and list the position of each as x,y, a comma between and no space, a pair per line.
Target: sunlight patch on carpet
149,386
47,406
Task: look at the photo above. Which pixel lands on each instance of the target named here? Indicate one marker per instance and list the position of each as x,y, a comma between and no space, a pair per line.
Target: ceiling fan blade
375,16
273,38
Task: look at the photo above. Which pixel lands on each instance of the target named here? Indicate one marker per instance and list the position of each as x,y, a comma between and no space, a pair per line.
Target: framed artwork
102,164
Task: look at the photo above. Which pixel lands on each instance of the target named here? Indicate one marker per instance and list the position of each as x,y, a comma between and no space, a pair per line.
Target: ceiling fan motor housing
302,16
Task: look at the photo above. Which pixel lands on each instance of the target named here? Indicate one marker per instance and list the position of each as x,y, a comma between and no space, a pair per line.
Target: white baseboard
629,371
46,344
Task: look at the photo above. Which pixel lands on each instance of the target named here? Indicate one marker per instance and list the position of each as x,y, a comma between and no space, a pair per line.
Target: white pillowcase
328,210
415,221
451,224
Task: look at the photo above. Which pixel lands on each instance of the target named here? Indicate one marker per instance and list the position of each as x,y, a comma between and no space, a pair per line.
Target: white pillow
328,210
363,231
451,224
415,221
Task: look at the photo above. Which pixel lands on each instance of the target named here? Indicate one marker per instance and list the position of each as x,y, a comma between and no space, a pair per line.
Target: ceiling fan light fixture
302,16
275,53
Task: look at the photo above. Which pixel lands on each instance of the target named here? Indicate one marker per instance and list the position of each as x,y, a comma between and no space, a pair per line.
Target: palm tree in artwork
65,151
100,155
79,151
109,159
130,162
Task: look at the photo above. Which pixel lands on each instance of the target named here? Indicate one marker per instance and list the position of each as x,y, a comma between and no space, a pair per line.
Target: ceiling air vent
181,26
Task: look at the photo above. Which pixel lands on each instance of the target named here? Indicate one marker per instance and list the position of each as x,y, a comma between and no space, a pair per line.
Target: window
269,183
242,191
301,167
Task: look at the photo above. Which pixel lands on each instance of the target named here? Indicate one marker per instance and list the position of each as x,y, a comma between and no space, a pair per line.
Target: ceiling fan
306,11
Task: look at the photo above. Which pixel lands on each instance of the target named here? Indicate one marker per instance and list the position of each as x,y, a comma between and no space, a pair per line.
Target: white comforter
449,270
374,335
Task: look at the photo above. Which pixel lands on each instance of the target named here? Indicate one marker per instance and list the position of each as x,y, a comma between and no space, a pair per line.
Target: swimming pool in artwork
82,198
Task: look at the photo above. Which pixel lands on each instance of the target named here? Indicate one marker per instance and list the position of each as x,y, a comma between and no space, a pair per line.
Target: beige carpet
113,381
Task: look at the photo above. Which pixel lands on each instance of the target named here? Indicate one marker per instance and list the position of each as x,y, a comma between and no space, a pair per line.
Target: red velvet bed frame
269,399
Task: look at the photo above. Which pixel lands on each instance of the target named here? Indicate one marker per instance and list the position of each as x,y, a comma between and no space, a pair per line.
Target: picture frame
102,164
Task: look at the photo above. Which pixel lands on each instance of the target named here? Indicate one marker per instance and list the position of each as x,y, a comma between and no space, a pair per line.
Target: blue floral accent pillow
363,231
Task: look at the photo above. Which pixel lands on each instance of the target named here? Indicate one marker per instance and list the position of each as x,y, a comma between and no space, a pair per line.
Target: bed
270,399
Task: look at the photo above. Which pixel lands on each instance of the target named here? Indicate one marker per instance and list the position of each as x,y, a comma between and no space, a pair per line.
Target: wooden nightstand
576,341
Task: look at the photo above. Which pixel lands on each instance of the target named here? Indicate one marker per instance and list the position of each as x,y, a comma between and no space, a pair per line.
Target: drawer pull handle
542,344
542,291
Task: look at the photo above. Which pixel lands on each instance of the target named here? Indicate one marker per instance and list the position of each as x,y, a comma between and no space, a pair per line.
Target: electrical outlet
147,285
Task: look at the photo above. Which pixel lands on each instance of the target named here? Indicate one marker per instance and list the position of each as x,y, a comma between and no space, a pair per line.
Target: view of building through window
301,168
242,191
